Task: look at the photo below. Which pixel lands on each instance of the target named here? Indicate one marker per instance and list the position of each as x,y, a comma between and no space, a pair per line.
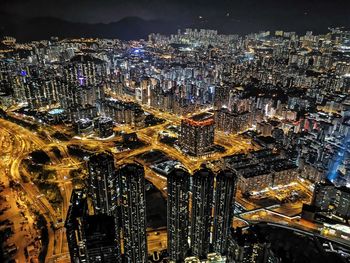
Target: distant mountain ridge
44,27
27,29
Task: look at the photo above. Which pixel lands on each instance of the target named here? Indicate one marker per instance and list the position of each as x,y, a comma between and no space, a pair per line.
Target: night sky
227,16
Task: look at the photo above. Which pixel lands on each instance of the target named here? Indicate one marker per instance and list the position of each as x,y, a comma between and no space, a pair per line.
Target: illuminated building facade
211,257
77,210
123,112
85,70
261,169
201,212
223,210
178,214
197,134
332,202
221,97
89,237
232,122
131,180
99,241
102,185
103,127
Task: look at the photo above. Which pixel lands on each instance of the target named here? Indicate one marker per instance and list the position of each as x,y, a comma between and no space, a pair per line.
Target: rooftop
202,119
201,116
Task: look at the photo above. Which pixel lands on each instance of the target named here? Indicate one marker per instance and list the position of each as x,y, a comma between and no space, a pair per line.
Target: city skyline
35,20
174,132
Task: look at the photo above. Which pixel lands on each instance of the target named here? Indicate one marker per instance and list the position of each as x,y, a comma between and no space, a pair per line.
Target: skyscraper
85,70
77,209
102,183
201,212
178,214
89,237
102,188
133,206
99,239
223,210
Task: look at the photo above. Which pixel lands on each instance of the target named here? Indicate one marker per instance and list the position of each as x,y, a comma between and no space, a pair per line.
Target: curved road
24,142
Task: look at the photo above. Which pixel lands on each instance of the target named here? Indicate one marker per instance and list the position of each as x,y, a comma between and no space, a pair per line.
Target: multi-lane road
24,141
15,149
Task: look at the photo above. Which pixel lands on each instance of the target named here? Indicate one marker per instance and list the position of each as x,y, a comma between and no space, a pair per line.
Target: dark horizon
136,19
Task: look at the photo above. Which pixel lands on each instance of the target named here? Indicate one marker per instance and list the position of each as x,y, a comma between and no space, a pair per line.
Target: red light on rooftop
199,123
